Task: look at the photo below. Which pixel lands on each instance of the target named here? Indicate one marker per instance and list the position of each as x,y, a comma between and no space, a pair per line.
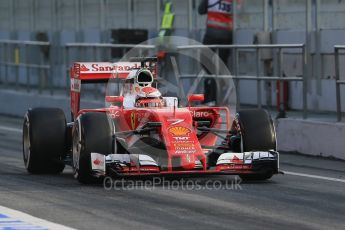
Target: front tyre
92,132
44,140
256,131
257,177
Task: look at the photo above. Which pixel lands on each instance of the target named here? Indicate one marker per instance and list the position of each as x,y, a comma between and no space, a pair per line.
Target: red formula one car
143,133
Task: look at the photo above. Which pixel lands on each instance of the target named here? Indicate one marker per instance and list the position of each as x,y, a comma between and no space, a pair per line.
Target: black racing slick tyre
44,140
256,130
257,177
92,132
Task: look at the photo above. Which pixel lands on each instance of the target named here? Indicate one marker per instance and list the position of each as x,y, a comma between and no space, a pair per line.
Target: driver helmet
145,94
149,97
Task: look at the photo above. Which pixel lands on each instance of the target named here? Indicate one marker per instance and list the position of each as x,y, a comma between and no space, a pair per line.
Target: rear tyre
44,140
256,130
92,132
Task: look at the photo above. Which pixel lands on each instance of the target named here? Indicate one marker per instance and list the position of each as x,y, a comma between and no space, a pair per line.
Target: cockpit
138,91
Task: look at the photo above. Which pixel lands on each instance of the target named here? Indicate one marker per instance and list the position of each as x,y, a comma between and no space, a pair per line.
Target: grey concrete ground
302,201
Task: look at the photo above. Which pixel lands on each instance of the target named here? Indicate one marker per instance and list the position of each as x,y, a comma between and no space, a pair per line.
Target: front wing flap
227,163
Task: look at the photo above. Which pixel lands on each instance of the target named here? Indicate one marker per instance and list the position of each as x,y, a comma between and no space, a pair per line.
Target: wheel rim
237,127
76,146
26,142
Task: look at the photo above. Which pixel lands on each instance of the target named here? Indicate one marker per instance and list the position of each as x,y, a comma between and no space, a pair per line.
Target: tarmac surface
311,195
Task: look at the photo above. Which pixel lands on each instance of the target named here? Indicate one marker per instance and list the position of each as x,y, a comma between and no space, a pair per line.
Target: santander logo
106,67
84,68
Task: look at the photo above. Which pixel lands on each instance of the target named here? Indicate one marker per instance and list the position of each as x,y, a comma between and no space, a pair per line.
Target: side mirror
195,97
114,99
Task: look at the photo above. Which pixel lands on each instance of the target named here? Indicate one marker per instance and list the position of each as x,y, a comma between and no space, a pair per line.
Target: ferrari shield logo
133,120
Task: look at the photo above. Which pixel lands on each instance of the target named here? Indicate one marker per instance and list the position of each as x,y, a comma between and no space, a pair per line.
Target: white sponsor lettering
183,148
75,85
114,114
200,114
184,151
175,121
181,138
107,67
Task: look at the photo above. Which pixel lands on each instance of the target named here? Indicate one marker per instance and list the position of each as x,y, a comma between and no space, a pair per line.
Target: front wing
254,162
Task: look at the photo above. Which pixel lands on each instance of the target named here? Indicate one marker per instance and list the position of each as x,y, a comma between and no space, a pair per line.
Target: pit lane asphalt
284,202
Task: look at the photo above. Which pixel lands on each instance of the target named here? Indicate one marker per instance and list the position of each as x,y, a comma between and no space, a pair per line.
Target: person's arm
203,7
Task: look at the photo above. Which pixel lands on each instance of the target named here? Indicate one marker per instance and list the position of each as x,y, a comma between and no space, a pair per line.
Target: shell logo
179,131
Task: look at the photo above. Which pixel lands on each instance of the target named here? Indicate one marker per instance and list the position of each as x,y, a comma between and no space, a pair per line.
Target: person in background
219,27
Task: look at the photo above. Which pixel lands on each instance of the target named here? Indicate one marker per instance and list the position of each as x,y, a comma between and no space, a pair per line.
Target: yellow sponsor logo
179,131
184,145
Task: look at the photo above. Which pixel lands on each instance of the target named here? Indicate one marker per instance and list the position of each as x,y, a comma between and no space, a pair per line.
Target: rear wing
102,71
98,72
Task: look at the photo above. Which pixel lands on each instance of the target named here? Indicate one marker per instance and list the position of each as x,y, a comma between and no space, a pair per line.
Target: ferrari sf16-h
140,132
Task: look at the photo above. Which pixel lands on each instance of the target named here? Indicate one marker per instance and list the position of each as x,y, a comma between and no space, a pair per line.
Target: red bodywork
178,125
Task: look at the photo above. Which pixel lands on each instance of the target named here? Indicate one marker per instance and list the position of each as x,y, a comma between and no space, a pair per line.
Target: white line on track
6,128
314,176
13,219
